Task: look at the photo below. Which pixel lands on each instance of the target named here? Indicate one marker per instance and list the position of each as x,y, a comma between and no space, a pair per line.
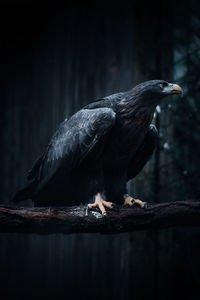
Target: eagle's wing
144,153
72,142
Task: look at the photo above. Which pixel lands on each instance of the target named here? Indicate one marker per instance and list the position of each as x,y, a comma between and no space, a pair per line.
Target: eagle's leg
128,200
101,204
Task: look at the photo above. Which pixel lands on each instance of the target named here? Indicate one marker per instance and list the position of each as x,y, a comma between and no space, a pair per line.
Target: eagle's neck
136,112
133,123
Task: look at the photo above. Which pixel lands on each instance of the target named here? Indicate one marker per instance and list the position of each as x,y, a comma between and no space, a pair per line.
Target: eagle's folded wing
72,142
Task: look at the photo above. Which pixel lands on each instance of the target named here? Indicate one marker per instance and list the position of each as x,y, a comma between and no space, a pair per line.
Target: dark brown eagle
96,151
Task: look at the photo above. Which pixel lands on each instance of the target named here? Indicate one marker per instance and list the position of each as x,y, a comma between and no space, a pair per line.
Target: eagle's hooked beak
172,88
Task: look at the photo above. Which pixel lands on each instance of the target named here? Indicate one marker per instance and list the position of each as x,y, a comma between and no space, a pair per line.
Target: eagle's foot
101,204
130,201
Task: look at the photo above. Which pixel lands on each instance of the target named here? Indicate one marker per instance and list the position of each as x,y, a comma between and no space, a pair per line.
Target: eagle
94,153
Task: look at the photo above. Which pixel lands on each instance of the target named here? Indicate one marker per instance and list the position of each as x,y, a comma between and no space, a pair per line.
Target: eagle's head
151,92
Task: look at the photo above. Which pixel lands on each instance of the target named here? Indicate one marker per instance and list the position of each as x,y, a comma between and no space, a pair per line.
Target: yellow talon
131,201
101,204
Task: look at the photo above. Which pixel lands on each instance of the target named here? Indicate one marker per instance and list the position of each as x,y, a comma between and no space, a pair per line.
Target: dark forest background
57,57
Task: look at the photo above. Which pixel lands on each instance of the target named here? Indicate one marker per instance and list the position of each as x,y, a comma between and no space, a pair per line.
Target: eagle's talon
101,204
128,200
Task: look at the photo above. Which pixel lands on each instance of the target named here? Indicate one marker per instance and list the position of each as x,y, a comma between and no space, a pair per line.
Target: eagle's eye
161,85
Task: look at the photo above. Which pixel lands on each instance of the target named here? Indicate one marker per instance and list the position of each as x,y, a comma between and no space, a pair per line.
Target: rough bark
48,220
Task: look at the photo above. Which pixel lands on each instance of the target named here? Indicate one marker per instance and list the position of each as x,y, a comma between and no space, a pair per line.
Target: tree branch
48,220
